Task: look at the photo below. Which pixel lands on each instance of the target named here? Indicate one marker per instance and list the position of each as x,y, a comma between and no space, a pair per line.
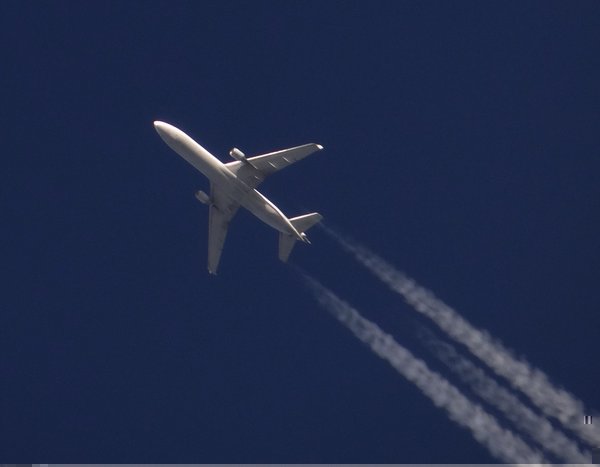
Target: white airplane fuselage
217,173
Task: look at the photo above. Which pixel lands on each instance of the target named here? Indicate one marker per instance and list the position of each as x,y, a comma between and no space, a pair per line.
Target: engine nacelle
202,197
237,155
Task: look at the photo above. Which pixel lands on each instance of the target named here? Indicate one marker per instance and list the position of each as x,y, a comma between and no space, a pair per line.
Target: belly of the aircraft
265,211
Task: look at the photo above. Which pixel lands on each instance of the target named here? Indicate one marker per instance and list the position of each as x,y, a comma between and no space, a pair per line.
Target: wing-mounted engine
240,156
237,155
203,197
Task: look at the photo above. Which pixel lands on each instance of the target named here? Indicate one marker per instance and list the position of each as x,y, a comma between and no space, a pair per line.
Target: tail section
301,224
286,243
305,222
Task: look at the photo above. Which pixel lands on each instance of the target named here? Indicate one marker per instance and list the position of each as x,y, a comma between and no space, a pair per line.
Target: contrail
501,443
552,401
536,426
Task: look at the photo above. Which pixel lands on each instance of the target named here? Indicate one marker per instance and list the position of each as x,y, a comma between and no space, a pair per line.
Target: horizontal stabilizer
286,244
301,224
305,222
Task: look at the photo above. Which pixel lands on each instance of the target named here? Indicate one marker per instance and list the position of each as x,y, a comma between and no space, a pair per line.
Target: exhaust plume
536,426
501,443
552,401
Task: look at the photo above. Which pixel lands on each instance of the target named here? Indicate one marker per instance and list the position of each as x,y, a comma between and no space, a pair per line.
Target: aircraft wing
221,212
253,170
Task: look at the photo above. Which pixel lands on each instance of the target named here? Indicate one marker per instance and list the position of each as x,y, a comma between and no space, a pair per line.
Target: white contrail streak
552,401
501,443
536,426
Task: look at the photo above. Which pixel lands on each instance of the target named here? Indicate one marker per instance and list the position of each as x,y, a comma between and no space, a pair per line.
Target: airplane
234,184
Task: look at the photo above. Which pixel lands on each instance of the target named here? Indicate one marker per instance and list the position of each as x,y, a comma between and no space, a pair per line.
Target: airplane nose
163,129
169,134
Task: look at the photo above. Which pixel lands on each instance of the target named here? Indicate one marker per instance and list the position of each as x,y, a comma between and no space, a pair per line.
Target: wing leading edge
255,169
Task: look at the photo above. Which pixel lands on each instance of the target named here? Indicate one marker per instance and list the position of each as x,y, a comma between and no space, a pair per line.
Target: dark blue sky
462,143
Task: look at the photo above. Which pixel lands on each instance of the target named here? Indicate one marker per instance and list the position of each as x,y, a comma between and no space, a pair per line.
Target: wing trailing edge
253,170
222,210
